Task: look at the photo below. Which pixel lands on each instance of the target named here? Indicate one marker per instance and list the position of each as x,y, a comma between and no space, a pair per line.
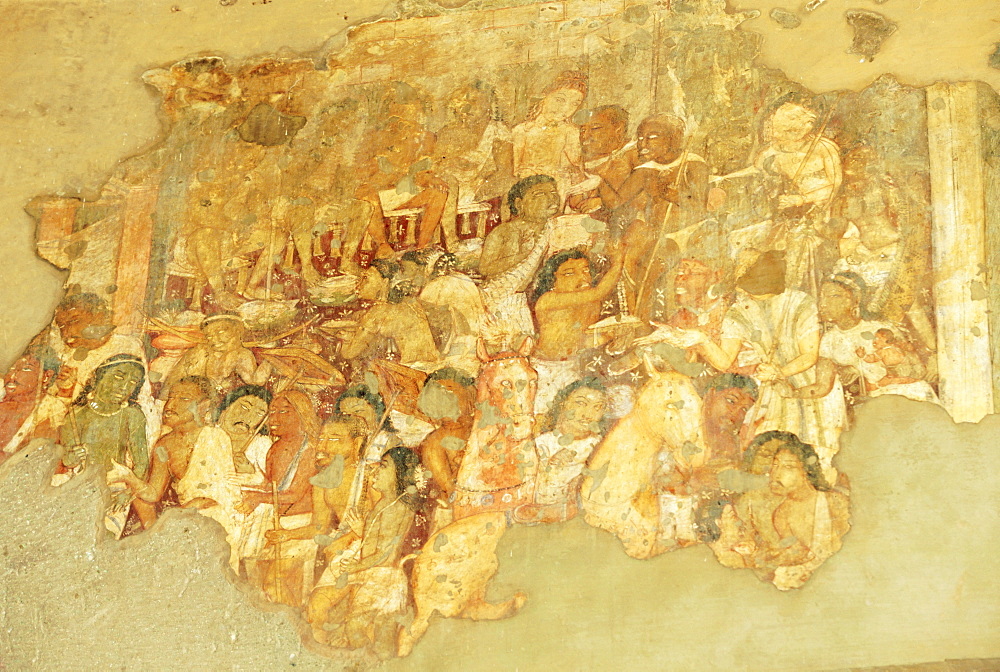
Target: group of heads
604,130
394,280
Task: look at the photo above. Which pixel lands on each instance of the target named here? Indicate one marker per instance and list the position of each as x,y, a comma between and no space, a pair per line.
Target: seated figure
576,427
185,413
223,359
548,143
363,590
807,522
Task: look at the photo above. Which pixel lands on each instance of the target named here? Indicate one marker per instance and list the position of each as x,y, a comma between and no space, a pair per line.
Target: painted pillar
134,254
958,234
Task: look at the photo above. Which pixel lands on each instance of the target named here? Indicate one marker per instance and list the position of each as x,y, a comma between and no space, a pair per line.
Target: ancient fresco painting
490,267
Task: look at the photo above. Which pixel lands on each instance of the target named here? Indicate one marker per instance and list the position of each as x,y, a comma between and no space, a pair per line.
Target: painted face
413,273
282,419
223,335
539,202
360,409
334,439
181,406
599,136
82,329
383,478
726,409
691,283
790,130
581,412
787,473
23,378
443,400
399,142
560,105
469,105
572,275
657,142
117,384
372,285
244,416
836,302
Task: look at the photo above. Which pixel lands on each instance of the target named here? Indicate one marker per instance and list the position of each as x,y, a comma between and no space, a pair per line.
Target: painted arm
151,491
388,536
249,371
809,347
826,376
497,255
321,522
721,356
137,441
556,300
436,460
634,185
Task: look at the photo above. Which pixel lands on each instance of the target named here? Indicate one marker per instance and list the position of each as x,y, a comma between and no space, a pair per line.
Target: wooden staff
356,496
277,545
641,288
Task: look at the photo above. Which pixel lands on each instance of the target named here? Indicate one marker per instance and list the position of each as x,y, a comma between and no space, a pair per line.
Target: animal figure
451,574
664,426
498,471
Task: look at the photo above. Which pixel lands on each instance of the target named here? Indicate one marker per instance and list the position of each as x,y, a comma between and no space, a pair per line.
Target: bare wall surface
914,582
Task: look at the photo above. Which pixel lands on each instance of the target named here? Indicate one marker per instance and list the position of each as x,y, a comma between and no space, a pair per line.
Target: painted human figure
805,174
186,411
84,338
668,192
227,455
576,427
567,303
607,154
105,426
474,153
700,304
548,143
287,491
336,460
809,519
512,254
773,333
25,411
449,398
846,346
395,171
223,359
395,321
456,297
363,590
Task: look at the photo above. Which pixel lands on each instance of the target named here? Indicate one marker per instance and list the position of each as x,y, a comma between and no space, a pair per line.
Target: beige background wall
916,580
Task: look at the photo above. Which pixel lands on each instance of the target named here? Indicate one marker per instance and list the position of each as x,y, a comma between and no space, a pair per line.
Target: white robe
212,474
770,330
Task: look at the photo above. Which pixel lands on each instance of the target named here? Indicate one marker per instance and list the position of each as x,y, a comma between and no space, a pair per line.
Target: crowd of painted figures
407,348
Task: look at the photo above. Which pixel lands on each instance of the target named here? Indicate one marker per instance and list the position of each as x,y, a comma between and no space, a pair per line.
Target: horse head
506,390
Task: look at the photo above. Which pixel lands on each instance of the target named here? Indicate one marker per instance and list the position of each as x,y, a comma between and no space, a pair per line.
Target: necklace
93,405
